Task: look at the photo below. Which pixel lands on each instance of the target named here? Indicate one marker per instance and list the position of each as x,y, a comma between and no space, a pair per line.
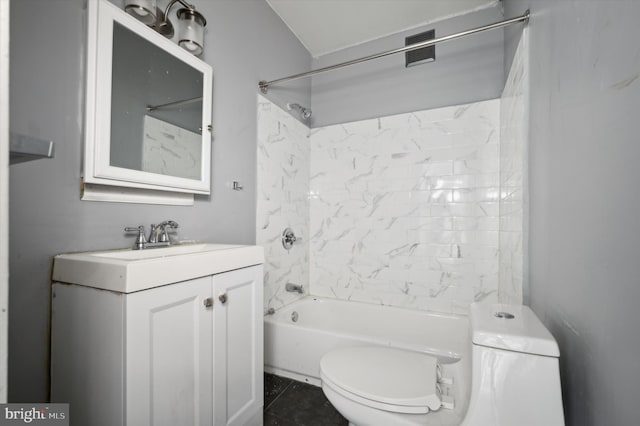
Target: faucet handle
138,229
141,240
288,238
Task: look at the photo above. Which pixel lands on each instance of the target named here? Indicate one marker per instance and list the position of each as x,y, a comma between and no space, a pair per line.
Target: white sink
128,271
129,254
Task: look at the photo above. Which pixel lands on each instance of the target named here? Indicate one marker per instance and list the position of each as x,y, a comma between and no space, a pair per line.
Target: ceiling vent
420,56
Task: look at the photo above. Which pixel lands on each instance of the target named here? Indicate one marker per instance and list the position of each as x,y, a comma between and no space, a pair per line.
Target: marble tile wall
171,150
404,209
282,200
514,131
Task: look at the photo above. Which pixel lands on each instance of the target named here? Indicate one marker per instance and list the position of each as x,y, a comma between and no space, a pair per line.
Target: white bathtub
293,349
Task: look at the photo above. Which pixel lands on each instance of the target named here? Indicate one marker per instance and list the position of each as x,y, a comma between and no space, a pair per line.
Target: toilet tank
512,328
515,372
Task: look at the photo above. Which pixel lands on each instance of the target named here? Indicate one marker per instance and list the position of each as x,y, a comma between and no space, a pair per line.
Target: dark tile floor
291,403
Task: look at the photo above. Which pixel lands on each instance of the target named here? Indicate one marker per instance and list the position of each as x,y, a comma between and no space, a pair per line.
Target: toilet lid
402,380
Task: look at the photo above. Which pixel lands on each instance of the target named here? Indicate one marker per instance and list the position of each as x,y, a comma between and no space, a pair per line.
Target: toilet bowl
510,377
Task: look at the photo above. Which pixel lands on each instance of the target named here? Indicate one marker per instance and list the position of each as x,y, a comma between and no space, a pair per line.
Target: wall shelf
25,148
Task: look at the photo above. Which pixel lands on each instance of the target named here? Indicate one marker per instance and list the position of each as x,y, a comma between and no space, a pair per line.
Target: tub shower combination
411,248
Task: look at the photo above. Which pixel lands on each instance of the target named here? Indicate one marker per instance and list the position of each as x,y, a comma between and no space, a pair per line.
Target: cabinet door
169,355
238,347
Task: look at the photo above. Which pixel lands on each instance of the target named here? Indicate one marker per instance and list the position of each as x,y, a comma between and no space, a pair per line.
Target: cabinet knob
223,298
208,302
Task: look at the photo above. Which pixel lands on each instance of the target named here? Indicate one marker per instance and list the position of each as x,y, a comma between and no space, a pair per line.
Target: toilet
510,377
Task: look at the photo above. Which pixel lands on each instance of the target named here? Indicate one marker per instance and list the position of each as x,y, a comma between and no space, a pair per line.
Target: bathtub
293,348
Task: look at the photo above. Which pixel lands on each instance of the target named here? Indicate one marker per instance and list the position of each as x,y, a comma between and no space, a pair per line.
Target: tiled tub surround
514,134
282,201
404,209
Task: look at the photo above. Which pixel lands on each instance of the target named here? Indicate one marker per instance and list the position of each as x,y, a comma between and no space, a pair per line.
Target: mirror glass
156,109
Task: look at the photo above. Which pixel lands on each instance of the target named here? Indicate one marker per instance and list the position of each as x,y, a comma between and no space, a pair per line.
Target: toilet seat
384,378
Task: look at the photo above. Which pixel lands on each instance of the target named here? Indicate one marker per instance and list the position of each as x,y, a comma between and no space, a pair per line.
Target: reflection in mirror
156,109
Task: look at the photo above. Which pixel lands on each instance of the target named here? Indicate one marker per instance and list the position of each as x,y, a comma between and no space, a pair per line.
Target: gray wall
584,175
466,70
245,42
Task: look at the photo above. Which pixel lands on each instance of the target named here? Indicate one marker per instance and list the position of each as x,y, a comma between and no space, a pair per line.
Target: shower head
305,113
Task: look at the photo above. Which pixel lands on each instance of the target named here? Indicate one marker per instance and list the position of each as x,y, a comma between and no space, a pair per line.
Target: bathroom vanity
169,336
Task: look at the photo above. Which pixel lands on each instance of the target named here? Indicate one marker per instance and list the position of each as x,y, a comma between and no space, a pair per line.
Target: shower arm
264,85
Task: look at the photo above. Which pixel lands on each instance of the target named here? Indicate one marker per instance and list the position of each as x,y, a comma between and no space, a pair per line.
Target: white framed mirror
148,108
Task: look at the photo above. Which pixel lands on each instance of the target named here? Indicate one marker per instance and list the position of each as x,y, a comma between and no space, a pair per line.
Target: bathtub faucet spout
294,288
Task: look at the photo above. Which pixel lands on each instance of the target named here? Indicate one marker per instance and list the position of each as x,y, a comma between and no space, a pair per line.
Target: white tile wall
282,200
421,210
404,209
514,130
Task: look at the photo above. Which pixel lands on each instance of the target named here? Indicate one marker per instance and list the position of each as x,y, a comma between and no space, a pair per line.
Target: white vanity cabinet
187,353
239,361
168,356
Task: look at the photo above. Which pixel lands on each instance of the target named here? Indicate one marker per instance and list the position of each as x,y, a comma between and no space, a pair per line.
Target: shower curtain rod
175,103
264,85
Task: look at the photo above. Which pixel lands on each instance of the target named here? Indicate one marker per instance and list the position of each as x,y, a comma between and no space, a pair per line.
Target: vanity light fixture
143,10
191,35
191,22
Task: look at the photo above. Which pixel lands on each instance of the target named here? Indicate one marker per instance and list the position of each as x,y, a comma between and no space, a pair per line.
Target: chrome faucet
158,236
294,288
